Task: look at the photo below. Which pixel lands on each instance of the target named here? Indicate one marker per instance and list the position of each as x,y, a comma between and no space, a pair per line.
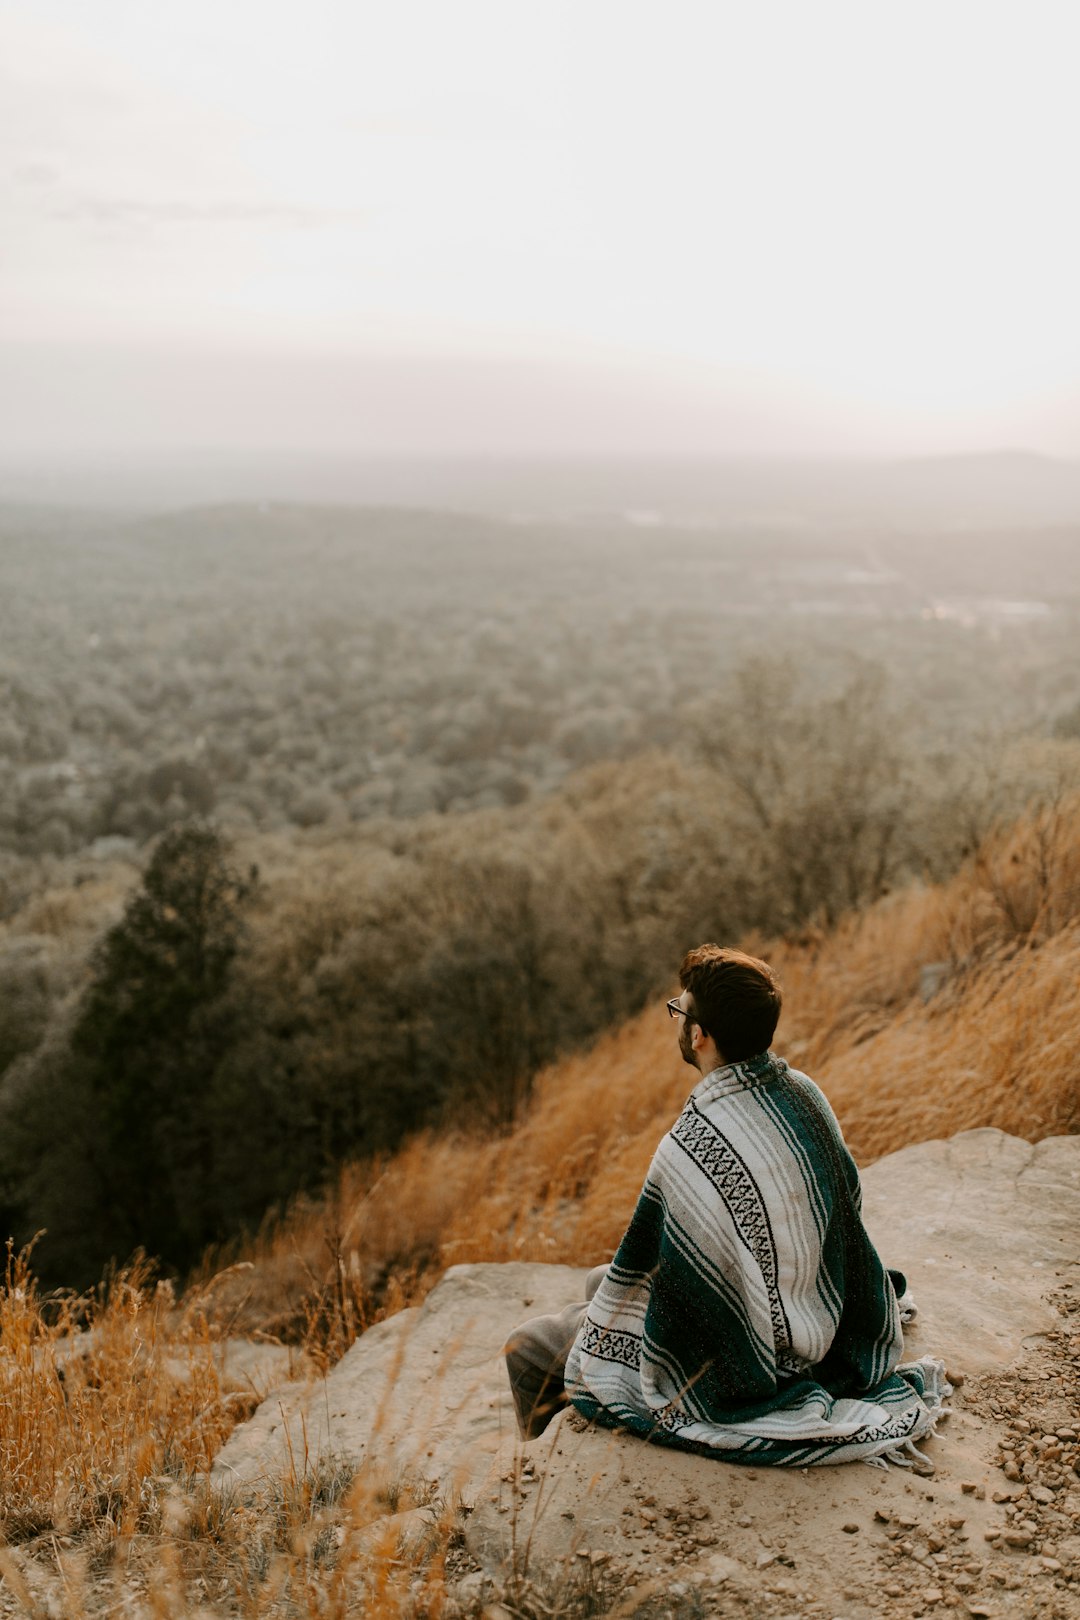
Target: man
746,1313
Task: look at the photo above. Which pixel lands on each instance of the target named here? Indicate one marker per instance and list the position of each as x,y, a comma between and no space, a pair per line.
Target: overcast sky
505,225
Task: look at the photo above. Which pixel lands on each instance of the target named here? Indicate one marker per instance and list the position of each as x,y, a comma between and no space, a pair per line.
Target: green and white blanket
746,1313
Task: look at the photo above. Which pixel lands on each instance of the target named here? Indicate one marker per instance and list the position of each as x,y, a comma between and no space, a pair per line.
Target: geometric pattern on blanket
746,1314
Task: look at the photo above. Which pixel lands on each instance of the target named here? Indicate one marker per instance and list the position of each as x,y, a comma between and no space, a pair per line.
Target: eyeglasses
675,1011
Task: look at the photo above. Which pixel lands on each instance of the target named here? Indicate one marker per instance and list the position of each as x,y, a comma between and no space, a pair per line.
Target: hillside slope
937,1010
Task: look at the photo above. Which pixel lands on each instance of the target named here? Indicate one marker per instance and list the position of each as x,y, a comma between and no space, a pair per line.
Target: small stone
956,1522
894,1590
764,1559
933,1594
1003,1496
850,1528
964,1583
1040,1493
745,1521
1051,1564
968,1486
882,1518
907,1523
1011,1471
980,1493
1017,1538
979,1610
935,1542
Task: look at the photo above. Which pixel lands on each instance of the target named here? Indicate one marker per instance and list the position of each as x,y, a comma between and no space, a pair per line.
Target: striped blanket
746,1313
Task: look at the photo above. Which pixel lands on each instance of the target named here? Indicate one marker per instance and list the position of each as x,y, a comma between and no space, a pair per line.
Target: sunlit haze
512,227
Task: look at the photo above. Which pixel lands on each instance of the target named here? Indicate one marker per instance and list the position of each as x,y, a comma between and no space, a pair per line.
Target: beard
686,1050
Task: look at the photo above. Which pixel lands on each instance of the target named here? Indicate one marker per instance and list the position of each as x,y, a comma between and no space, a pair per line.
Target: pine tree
152,1029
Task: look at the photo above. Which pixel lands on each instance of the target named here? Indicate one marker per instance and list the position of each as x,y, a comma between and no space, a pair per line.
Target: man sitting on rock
746,1313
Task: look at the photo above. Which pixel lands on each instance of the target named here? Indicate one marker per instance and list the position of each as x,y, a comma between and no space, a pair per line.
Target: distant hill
999,489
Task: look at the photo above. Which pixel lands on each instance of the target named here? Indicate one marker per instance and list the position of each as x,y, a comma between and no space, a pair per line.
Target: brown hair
736,999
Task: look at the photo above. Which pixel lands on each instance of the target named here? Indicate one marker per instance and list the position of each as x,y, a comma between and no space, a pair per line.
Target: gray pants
536,1355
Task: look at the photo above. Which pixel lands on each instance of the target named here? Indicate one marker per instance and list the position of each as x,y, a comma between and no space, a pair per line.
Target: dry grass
111,1412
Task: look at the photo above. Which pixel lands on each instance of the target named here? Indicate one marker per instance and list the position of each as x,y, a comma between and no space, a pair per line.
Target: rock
978,1223
983,1205
428,1386
470,1588
255,1366
259,1367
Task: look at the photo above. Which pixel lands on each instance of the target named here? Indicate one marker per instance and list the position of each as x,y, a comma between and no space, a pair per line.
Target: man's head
732,1006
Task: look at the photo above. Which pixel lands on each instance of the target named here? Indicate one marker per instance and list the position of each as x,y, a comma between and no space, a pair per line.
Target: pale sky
513,224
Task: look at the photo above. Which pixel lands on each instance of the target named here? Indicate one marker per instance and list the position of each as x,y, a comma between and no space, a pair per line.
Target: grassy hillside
936,1010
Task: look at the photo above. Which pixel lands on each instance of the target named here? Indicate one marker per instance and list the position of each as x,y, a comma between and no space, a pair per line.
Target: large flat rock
981,1223
986,1227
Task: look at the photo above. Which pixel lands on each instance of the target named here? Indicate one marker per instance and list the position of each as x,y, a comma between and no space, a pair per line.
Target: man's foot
538,1396
532,1425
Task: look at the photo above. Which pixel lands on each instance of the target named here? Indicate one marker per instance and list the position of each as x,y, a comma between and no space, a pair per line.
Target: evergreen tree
153,1027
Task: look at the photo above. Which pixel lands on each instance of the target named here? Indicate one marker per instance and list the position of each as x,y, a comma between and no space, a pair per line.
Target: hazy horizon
1009,490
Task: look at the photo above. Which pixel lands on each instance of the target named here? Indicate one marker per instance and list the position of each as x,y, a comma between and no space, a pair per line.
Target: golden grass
111,1412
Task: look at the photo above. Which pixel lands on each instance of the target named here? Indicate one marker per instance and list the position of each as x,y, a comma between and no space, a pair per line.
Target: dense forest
319,825
300,666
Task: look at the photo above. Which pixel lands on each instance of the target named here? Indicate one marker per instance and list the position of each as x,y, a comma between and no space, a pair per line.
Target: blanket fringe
905,1455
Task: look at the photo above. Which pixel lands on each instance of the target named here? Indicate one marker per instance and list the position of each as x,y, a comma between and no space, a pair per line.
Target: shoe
538,1396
